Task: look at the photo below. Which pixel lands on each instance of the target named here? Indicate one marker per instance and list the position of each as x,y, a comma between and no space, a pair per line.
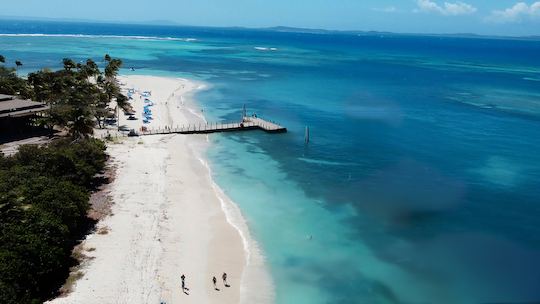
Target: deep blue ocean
421,182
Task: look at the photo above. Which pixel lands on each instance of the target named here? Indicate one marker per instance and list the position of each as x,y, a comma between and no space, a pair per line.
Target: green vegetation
11,84
44,193
79,94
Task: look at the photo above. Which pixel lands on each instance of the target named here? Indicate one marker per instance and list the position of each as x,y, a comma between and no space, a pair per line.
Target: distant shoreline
259,30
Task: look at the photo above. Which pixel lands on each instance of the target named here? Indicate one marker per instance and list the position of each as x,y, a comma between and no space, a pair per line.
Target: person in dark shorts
224,277
214,280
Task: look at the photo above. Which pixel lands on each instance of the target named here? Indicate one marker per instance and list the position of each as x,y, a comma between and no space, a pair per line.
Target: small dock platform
248,123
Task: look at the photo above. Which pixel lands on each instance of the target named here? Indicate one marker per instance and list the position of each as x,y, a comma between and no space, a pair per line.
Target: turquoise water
421,180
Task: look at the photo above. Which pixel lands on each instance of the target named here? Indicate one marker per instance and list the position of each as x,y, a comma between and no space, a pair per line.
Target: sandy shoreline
169,218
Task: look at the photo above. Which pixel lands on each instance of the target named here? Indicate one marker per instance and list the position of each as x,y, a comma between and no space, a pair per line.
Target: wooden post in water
306,136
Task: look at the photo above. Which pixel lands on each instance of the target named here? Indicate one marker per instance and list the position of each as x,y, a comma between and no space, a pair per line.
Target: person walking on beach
224,276
184,288
214,280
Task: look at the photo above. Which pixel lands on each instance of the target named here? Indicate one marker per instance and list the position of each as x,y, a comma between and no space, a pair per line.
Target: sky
490,17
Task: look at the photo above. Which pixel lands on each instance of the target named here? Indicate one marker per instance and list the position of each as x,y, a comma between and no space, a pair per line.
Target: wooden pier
247,123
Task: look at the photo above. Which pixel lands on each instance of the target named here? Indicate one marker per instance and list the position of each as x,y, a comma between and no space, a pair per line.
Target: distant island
278,29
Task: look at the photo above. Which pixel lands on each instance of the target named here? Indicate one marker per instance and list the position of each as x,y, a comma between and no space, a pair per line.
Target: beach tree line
10,83
45,190
44,200
79,95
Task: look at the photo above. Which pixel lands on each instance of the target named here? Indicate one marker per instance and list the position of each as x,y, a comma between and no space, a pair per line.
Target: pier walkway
248,123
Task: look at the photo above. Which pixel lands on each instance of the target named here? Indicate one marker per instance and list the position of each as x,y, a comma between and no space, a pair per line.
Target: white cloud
448,9
388,9
516,13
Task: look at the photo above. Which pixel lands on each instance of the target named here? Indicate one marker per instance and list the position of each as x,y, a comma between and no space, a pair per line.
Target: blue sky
498,17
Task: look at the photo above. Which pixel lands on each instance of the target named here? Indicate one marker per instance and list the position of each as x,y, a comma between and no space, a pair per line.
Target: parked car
132,133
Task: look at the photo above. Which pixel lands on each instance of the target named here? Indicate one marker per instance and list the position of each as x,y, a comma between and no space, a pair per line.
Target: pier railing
248,123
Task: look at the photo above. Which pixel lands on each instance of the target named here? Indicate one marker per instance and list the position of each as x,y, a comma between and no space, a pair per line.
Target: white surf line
99,36
234,217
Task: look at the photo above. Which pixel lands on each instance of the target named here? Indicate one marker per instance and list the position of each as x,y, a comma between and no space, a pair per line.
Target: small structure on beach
18,115
14,107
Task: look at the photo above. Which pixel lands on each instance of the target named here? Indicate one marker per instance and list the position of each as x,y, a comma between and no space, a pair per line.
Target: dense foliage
44,194
44,191
79,94
11,84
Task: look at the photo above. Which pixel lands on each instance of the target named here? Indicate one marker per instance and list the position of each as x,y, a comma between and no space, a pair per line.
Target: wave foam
265,49
256,284
101,36
531,79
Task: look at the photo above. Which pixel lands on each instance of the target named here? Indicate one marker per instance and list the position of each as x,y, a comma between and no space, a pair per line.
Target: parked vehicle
132,133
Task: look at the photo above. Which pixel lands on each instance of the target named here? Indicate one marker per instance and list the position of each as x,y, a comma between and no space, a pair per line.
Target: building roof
15,107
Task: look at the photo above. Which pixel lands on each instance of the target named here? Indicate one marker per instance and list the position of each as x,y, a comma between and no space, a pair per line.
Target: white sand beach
168,218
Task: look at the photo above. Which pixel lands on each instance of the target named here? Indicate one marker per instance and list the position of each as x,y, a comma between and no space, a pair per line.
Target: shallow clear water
421,180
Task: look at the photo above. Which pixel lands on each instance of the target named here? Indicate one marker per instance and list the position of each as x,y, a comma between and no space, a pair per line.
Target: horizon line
285,28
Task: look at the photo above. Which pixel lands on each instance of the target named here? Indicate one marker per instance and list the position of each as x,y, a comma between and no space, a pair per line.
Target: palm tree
68,64
91,69
111,71
18,63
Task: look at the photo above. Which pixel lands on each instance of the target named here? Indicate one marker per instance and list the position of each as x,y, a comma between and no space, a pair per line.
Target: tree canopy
44,193
45,190
11,84
79,95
